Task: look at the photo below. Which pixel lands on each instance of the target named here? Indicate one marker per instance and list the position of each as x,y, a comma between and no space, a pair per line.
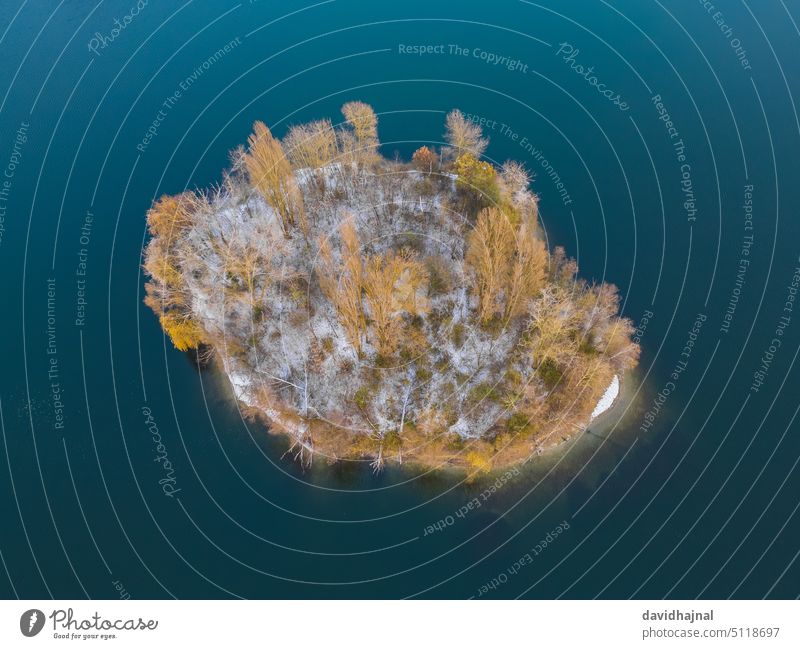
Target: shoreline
595,427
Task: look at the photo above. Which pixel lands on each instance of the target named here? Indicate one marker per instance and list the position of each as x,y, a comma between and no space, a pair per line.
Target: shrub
517,422
481,392
392,441
550,373
440,277
453,442
480,460
457,334
361,397
478,178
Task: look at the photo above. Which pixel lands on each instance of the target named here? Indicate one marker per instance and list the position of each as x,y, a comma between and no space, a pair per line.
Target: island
386,311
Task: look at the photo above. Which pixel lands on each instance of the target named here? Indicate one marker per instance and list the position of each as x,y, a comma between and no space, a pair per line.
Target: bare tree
311,145
515,176
364,123
345,292
253,266
272,175
552,319
490,249
527,272
463,136
391,284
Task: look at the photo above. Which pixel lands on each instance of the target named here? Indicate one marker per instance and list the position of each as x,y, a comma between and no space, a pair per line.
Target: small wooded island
383,311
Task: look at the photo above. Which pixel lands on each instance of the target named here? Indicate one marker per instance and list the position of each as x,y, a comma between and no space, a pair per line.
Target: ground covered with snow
608,398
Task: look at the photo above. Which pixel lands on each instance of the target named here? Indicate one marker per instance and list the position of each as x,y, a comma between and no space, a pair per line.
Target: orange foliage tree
424,159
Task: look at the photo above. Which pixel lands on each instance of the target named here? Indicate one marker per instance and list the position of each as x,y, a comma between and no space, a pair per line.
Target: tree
617,343
391,284
252,266
553,322
490,248
364,123
271,174
168,220
182,329
169,215
345,292
463,136
515,177
527,273
424,159
605,331
311,145
562,268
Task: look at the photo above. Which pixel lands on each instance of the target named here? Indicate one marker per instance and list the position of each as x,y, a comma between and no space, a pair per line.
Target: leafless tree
271,173
463,136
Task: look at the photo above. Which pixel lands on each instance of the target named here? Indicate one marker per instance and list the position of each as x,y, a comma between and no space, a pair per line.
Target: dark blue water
693,496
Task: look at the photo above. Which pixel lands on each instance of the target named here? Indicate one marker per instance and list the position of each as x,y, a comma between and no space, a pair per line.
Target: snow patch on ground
608,398
241,386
